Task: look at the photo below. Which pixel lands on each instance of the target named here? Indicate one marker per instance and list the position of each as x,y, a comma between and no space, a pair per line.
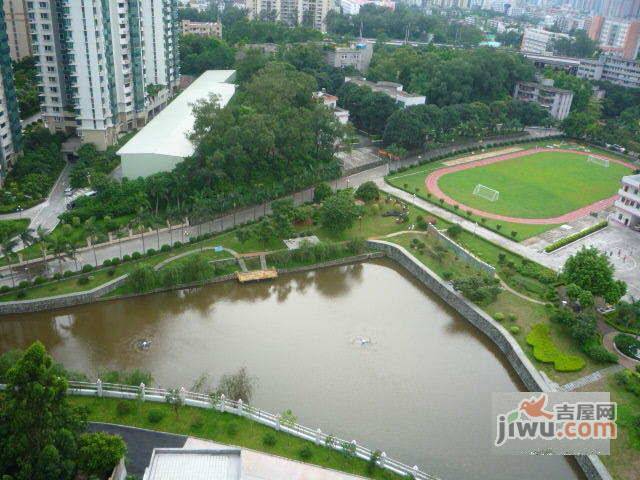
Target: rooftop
632,180
166,134
194,464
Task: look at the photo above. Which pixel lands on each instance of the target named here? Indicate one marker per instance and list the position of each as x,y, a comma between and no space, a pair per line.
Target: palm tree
7,246
26,237
72,252
91,230
59,248
43,237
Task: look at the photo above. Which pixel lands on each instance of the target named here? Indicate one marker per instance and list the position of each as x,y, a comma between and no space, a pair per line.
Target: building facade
15,16
10,131
555,100
104,66
536,40
612,69
292,12
617,36
203,29
628,204
357,55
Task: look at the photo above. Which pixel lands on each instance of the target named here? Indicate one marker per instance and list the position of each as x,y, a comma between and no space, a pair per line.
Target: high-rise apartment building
615,35
15,16
293,12
10,136
104,65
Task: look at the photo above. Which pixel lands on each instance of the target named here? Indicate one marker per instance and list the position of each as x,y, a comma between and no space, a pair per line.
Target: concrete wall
533,381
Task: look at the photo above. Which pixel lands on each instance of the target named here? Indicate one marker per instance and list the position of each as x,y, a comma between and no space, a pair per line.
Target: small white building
194,464
392,89
628,205
331,102
163,142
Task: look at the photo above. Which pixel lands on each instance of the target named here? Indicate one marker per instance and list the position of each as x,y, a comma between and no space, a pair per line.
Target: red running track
431,183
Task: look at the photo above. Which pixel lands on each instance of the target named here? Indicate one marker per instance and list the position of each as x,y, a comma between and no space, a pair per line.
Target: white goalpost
603,162
486,192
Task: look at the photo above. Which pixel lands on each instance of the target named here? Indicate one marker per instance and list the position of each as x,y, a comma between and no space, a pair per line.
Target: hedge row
545,351
576,236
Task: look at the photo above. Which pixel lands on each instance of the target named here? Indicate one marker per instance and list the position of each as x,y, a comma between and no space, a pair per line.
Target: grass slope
540,185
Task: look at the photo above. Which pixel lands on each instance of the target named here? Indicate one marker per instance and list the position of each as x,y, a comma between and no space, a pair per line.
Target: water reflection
420,390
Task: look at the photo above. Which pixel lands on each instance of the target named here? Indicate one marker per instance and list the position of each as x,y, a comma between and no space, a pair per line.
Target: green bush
126,258
115,261
305,453
87,268
57,276
545,351
106,263
596,352
136,255
165,248
83,280
40,280
232,429
320,192
99,453
155,416
269,439
514,329
512,317
629,380
23,284
498,317
151,252
5,288
124,407
367,192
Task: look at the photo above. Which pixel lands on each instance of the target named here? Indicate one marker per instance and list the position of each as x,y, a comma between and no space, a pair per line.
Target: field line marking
410,174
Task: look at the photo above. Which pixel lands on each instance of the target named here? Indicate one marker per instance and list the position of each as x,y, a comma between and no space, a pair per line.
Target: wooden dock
257,275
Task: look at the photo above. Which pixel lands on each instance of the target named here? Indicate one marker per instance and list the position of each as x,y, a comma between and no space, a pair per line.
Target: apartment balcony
635,211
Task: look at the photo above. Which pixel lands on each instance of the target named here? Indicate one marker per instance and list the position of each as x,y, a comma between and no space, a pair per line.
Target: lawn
540,185
226,428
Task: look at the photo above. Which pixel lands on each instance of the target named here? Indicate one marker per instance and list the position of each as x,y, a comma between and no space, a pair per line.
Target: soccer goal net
486,192
603,162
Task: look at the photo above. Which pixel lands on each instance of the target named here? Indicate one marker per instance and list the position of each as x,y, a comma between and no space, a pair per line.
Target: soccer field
540,185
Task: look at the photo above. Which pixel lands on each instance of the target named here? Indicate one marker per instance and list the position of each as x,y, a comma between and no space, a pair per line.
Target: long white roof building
163,142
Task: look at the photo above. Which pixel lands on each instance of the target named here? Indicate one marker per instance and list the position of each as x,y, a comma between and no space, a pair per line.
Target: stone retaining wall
94,295
465,255
591,465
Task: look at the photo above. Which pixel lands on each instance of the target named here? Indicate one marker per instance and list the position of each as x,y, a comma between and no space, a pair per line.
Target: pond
362,351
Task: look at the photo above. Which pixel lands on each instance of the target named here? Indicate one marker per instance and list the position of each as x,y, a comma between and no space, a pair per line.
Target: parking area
358,158
621,245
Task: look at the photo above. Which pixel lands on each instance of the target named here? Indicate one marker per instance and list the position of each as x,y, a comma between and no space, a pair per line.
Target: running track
431,183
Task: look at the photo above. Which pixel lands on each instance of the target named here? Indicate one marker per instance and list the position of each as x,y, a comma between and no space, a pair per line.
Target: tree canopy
198,54
592,270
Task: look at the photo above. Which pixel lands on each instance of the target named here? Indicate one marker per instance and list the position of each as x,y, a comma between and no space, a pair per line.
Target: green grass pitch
540,185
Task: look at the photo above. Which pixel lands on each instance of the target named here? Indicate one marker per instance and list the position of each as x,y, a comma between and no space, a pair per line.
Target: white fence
203,400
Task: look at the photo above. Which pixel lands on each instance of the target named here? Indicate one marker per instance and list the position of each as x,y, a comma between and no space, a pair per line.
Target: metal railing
237,407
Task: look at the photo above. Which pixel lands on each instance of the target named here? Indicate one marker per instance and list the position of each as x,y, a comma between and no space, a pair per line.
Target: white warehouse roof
163,141
183,464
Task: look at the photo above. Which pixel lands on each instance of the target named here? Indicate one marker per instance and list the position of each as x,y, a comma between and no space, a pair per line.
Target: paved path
432,186
473,227
591,378
140,443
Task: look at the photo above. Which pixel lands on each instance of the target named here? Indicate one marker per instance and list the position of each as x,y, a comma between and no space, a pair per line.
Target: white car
68,191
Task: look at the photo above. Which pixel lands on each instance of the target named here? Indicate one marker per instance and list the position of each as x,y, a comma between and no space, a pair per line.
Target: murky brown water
421,390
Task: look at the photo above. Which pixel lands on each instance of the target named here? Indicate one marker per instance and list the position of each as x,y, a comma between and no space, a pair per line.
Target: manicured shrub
111,272
498,316
545,351
305,453
512,317
83,280
596,351
5,288
367,192
136,256
155,416
447,275
514,329
232,429
124,407
115,261
269,439
106,263
165,248
99,453
151,251
23,284
68,274
40,280
454,231
126,258
57,276
87,268
177,244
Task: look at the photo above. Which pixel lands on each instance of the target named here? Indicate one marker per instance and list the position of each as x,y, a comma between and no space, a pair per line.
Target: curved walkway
431,183
607,341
